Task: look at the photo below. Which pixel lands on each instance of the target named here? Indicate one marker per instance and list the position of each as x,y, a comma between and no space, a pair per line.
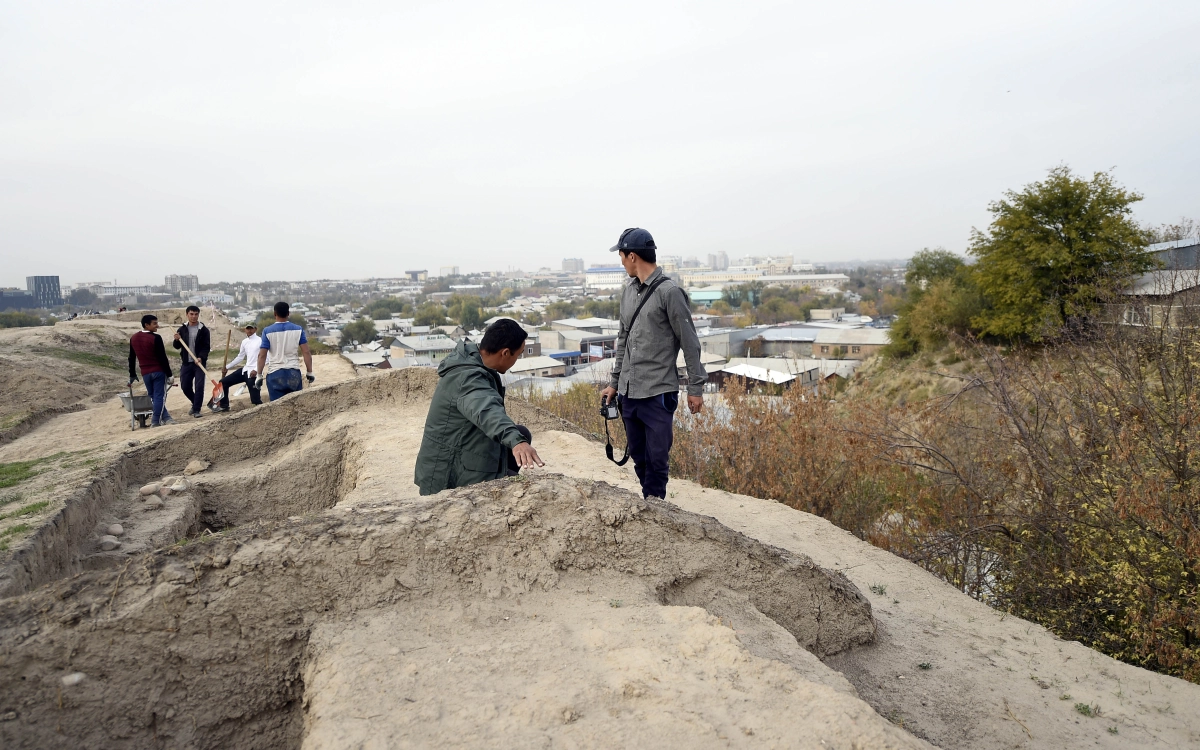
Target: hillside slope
559,609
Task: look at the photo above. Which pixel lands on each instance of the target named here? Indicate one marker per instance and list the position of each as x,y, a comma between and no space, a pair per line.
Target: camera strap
608,448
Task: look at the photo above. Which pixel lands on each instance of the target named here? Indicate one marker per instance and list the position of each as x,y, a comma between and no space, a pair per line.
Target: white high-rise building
182,283
573,265
718,261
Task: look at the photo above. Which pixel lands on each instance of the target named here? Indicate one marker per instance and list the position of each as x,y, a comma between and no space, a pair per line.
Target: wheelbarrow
140,408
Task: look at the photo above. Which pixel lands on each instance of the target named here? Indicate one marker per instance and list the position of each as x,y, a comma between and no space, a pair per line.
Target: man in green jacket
469,438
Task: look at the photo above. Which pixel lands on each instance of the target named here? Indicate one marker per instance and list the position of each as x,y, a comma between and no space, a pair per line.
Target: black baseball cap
635,240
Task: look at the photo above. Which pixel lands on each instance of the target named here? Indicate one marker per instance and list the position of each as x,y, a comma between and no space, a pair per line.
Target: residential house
436,347
544,367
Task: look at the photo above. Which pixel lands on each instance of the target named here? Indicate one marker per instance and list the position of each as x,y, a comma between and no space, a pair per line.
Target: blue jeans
649,430
156,386
282,382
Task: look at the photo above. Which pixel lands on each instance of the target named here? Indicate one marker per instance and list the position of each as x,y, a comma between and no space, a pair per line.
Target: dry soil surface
559,610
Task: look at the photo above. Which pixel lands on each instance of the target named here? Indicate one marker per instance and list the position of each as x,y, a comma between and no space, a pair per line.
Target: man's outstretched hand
609,394
695,404
526,456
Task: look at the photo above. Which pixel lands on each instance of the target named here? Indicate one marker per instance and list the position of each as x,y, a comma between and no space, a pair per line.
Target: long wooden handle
228,336
195,358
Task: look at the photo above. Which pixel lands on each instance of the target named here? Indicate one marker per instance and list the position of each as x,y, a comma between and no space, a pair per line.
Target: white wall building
605,277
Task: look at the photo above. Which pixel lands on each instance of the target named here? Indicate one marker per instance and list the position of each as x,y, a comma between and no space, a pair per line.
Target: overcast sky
253,141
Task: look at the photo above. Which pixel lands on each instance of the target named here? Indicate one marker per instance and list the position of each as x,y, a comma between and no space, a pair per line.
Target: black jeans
650,430
232,379
191,382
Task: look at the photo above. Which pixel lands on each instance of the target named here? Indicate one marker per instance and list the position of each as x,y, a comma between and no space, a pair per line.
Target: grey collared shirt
645,356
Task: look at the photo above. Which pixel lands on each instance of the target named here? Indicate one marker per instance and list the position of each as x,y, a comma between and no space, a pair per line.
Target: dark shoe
218,409
168,421
195,414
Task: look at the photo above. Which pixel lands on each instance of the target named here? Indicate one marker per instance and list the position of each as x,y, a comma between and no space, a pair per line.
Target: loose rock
150,489
154,503
182,485
164,492
195,466
116,529
73,679
109,543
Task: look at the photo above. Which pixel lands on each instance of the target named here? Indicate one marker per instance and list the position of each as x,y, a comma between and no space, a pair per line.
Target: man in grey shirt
644,377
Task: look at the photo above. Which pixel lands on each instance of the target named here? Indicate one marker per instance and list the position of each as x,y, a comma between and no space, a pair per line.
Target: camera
608,409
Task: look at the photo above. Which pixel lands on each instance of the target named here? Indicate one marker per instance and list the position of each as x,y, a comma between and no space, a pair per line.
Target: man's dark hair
503,334
192,308
148,319
646,254
282,309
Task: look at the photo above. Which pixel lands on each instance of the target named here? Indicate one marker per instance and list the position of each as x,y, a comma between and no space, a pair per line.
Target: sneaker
155,424
168,421
195,414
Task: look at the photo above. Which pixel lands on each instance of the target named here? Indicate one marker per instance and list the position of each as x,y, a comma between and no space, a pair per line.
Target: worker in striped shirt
279,357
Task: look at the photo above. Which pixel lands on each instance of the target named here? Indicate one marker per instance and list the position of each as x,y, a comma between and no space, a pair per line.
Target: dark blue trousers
649,428
191,382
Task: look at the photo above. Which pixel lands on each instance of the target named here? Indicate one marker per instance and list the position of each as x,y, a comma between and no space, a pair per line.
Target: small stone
150,489
182,485
195,466
116,529
9,716
164,492
109,543
132,443
73,679
154,503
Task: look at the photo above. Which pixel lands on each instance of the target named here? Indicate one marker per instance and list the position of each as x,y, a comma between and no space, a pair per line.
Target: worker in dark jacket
469,438
147,351
191,377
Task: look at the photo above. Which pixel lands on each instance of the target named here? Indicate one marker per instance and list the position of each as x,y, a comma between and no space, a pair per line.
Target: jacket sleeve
685,333
619,349
484,408
203,345
132,363
160,352
178,344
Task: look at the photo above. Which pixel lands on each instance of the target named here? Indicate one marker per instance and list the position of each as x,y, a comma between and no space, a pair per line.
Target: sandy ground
604,662
107,423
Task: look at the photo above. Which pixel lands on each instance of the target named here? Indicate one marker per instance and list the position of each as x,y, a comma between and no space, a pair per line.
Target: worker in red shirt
147,351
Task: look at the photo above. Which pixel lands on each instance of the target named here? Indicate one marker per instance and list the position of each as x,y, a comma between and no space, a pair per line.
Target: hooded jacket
467,432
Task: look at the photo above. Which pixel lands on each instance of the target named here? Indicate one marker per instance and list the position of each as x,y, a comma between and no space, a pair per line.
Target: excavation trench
239,635
207,645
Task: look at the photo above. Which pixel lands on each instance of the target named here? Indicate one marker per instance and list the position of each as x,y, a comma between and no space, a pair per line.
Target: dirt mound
293,589
208,644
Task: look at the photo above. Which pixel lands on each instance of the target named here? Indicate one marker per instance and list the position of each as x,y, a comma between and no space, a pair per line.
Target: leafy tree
430,314
597,308
1053,251
561,310
83,298
362,330
927,266
721,307
19,320
382,309
466,311
533,318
